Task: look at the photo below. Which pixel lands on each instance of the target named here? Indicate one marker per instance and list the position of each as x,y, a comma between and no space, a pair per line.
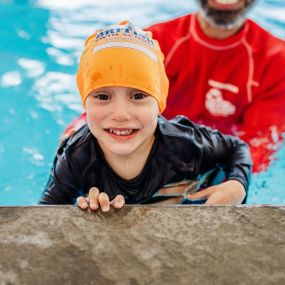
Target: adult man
227,72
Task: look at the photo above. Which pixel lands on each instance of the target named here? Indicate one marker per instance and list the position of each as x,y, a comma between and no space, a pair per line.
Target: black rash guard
181,150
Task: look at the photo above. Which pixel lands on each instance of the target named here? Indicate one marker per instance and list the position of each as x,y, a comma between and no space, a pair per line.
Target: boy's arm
263,120
62,186
231,192
233,156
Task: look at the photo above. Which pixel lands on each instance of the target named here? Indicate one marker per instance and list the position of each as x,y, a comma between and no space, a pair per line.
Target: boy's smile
122,119
122,133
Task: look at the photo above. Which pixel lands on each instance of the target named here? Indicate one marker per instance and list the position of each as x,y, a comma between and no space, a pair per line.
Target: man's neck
215,32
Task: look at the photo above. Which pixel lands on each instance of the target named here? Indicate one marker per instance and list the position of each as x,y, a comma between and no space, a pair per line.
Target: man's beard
224,19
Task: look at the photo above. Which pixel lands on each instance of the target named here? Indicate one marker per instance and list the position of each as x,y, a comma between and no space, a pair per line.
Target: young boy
127,152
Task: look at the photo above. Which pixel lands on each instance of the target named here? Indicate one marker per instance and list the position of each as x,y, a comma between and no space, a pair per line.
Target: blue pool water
40,42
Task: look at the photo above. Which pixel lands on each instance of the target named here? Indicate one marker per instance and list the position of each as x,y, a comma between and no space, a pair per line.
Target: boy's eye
138,96
102,96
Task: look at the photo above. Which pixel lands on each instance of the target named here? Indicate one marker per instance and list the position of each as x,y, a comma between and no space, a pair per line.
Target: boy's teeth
121,132
227,1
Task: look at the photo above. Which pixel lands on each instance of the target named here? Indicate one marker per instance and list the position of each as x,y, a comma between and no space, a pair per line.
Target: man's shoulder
259,35
267,48
174,21
176,25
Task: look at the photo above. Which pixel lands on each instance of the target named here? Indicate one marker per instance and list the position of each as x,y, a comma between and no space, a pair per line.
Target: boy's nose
120,112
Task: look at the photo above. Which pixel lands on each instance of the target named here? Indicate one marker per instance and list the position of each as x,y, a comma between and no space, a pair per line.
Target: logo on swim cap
127,32
126,36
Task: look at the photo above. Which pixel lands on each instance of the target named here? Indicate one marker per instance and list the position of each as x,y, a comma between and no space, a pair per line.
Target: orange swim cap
122,55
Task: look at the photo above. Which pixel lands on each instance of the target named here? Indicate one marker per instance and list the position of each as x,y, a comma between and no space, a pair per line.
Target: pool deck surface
143,245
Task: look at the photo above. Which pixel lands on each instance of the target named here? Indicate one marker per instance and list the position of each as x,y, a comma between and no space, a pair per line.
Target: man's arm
263,121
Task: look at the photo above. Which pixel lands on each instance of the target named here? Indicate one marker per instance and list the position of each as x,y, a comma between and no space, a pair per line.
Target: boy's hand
96,200
231,192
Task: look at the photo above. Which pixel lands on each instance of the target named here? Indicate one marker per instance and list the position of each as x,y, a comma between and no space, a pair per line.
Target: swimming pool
40,44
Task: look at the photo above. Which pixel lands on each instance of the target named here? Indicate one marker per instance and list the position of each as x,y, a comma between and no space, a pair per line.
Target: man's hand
96,200
231,192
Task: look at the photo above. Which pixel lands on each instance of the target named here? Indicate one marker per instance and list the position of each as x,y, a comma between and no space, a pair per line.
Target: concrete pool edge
143,245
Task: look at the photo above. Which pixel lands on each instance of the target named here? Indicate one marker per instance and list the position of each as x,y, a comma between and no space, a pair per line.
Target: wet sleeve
263,121
62,186
228,152
268,103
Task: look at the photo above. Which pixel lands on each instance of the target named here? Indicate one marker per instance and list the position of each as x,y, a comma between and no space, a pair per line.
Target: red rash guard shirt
235,84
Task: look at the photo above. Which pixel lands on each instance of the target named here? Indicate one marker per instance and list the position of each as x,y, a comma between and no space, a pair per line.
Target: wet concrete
143,245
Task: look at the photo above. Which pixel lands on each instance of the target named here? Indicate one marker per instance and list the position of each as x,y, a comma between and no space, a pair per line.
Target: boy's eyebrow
109,89
100,89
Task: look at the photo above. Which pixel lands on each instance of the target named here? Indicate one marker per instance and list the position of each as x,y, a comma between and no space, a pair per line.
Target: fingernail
105,209
83,206
93,206
119,204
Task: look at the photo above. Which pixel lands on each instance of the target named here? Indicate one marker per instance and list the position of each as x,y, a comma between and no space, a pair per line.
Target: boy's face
122,119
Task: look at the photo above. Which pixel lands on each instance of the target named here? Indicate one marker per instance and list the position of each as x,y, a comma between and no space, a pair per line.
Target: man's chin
224,18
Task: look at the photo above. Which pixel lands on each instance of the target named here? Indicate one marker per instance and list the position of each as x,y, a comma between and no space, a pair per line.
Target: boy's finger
203,194
82,203
118,202
93,198
104,202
